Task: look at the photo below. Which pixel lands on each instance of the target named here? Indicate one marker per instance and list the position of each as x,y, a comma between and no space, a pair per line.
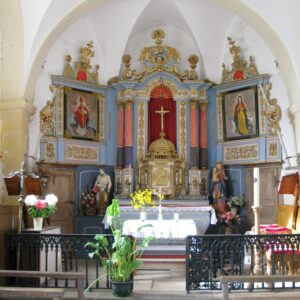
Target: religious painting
81,120
240,114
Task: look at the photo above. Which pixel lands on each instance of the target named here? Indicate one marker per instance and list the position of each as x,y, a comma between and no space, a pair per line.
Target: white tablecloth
161,229
129,213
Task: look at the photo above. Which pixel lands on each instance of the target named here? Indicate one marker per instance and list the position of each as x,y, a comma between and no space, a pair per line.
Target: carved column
194,135
121,137
128,150
203,136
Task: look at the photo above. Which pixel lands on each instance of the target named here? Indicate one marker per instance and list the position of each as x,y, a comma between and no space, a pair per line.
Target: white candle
256,201
176,217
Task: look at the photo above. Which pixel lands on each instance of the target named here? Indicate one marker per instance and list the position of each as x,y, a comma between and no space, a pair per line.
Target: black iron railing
210,256
55,253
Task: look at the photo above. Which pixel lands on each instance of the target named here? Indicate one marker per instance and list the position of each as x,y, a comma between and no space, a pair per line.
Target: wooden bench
55,293
225,280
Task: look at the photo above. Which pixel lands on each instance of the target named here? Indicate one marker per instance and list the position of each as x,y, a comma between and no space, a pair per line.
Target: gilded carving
182,130
261,105
203,105
236,153
102,118
161,177
47,119
219,116
191,74
68,70
159,58
60,111
177,93
272,149
273,115
272,112
194,104
141,131
81,71
74,152
239,68
50,149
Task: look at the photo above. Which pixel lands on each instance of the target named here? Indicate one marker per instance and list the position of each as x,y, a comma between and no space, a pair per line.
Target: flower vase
160,216
37,223
234,211
143,214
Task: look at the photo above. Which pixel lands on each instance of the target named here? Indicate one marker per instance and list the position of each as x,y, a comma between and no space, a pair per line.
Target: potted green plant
123,259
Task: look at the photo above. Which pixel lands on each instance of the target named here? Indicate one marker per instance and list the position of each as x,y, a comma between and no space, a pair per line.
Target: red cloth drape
154,129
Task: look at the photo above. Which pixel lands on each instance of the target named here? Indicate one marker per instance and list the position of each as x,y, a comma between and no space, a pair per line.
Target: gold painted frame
81,114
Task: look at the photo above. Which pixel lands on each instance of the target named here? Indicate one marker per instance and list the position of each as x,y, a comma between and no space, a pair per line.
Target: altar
201,216
160,229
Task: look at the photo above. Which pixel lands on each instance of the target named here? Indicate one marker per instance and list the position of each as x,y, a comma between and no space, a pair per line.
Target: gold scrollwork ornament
47,124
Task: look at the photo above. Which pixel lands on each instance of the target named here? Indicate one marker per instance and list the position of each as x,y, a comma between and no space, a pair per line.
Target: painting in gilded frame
81,120
240,114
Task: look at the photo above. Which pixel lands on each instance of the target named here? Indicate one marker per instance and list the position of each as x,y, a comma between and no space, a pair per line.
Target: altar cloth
161,229
201,215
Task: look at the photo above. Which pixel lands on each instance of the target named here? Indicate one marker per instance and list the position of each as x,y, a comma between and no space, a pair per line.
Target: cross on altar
162,112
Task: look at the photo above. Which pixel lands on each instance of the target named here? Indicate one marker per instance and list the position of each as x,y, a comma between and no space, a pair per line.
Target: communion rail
53,253
209,257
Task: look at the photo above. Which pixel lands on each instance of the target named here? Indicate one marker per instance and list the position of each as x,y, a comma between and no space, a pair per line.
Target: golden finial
158,35
234,49
193,60
126,59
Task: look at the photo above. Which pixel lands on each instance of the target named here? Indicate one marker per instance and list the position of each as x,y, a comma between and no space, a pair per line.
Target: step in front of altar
165,251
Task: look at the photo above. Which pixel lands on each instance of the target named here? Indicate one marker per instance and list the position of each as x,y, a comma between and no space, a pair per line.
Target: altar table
201,215
161,229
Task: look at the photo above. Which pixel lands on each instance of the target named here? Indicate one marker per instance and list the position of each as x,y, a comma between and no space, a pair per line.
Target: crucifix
162,112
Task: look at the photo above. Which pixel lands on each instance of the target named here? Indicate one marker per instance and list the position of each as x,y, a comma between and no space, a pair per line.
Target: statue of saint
219,188
102,186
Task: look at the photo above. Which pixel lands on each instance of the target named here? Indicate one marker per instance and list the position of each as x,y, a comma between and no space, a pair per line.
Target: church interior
195,103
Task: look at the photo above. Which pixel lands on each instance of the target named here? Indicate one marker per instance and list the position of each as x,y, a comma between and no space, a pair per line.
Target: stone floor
166,280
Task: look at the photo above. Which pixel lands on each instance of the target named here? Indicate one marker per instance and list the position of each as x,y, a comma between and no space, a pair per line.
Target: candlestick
256,200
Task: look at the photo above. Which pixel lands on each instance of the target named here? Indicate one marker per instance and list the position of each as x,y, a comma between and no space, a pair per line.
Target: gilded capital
129,104
121,106
203,105
194,104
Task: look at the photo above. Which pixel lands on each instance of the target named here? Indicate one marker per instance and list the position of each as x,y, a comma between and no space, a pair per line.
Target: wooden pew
55,293
225,280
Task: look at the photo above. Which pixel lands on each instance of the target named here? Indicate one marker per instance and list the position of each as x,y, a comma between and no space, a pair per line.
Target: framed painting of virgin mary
81,114
240,114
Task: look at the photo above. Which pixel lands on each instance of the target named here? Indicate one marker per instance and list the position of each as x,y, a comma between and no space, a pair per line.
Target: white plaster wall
208,22
252,44
113,23
32,16
283,17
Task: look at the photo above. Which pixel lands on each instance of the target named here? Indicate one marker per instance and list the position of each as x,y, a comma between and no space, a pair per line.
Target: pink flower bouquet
39,208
